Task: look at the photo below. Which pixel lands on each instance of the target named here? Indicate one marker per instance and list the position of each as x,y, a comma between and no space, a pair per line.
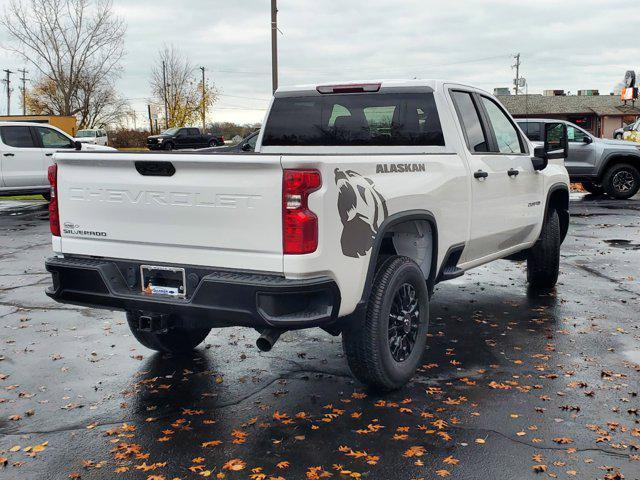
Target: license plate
159,280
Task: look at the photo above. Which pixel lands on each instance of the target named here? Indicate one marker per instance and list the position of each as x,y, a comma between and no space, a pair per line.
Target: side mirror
587,140
539,160
77,145
246,147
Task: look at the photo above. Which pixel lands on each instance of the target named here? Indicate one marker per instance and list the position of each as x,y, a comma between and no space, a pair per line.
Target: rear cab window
469,118
363,119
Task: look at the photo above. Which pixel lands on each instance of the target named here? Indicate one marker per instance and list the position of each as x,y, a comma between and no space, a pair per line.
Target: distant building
598,114
66,124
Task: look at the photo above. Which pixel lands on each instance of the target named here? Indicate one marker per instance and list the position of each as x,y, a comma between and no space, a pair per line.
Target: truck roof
433,84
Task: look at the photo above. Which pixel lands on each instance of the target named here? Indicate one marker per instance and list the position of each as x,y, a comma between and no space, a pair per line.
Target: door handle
480,174
48,154
513,172
9,155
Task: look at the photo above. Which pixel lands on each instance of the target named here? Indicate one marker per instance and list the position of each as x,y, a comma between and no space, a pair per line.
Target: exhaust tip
268,339
264,345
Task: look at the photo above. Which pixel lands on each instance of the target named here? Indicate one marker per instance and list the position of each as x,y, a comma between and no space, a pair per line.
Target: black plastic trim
449,269
407,216
215,298
554,188
155,169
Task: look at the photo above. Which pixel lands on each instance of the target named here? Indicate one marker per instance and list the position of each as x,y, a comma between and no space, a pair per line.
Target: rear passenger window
19,137
506,134
378,119
470,121
531,130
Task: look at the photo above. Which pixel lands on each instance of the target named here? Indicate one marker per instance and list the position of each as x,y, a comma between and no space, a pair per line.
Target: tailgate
215,210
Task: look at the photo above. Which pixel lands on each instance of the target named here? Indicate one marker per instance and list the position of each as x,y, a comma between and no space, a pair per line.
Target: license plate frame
160,280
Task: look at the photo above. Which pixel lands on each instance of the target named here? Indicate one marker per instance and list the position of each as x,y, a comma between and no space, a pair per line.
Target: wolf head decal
362,210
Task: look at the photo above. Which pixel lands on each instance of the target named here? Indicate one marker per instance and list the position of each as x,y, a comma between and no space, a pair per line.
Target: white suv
26,151
93,136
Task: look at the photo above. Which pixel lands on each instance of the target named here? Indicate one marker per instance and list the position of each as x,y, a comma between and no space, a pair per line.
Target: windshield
86,133
171,131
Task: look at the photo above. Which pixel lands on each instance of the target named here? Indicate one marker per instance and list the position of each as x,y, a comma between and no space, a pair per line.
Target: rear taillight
54,216
299,224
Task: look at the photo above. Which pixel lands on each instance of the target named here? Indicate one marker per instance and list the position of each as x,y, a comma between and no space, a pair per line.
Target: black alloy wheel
404,321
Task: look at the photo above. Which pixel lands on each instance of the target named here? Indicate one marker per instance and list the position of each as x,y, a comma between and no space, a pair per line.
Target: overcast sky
566,44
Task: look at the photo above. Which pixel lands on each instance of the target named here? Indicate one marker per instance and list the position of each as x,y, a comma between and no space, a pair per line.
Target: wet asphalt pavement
514,385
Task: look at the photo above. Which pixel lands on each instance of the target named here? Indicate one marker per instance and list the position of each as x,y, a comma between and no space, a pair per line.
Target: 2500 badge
73,229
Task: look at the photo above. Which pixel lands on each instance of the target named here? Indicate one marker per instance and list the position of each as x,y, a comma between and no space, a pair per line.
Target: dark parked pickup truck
179,138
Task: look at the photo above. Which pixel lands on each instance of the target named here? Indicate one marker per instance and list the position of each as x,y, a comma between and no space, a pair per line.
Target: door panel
506,193
582,156
22,162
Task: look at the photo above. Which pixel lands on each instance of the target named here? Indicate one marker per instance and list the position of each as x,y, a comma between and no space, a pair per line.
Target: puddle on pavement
626,244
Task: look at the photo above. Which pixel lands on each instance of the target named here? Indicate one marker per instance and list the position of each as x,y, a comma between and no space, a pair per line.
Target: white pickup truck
359,199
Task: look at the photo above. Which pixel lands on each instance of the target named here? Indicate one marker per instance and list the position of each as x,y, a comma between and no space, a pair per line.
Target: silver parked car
601,165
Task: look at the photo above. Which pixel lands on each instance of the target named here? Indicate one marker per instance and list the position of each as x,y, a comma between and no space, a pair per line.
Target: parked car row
26,151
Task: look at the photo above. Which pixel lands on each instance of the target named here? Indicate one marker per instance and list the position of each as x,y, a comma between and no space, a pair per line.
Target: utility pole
204,104
517,79
24,89
164,89
8,82
150,119
274,44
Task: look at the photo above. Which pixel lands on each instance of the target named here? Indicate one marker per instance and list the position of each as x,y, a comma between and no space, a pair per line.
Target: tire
176,340
618,136
213,143
374,358
168,146
621,181
543,261
593,188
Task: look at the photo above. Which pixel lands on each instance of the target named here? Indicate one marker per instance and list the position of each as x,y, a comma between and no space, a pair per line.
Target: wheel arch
558,198
615,158
381,244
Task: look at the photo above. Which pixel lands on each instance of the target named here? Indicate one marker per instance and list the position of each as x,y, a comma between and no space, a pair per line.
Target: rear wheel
213,143
622,181
593,188
543,261
385,347
176,340
168,146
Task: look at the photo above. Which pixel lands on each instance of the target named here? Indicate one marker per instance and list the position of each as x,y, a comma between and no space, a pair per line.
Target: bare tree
75,45
183,91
